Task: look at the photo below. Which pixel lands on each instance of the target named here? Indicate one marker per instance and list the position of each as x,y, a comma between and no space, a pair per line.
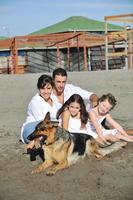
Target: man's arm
85,94
93,100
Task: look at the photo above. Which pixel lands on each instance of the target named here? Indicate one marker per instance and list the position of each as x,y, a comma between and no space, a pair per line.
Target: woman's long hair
78,99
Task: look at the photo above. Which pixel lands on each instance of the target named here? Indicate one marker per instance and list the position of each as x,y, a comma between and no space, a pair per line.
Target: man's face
59,83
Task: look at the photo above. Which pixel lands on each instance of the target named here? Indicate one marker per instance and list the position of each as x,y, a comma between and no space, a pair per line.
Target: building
77,43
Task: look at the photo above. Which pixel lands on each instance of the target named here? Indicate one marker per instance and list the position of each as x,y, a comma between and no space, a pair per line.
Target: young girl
73,114
106,103
39,105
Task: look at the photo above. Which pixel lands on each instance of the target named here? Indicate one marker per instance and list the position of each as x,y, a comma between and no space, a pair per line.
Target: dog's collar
62,133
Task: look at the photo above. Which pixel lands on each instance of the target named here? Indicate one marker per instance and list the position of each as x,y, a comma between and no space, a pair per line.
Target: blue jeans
28,129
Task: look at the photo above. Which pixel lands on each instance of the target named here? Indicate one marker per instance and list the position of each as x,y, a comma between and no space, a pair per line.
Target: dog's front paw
99,157
51,172
36,170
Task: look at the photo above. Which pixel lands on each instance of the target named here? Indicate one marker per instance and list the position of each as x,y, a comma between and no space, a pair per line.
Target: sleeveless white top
92,131
74,126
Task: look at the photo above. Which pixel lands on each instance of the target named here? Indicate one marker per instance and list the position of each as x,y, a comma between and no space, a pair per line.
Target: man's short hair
59,71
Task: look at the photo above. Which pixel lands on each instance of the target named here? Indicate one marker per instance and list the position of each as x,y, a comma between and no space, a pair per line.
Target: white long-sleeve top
38,108
69,90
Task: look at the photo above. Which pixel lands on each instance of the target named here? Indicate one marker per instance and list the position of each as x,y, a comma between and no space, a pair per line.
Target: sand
90,179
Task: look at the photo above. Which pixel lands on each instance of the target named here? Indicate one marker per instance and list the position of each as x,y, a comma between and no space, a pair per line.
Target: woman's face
74,109
46,91
104,107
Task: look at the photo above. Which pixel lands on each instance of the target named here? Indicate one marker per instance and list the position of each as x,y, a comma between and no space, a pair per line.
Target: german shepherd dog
62,148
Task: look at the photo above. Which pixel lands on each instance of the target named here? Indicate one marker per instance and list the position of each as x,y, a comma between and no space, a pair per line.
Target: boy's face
104,107
59,83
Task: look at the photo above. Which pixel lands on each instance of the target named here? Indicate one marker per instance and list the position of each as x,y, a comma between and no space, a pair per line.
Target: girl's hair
78,99
43,80
111,99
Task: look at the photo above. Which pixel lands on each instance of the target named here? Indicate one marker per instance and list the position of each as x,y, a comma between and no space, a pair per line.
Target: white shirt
38,108
69,90
74,125
92,131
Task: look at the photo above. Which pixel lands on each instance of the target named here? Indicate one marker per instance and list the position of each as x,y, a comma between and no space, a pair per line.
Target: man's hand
93,100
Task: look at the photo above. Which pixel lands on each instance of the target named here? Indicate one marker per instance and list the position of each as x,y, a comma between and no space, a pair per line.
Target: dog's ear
47,117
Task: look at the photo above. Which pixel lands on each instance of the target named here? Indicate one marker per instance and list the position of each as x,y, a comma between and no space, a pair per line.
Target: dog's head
44,131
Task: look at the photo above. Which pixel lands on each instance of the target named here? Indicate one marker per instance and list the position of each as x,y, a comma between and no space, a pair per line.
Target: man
62,90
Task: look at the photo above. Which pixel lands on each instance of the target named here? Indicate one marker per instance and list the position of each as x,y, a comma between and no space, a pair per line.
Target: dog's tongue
41,138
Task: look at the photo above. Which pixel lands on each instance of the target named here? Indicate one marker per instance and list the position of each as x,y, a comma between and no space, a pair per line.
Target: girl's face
46,91
74,109
104,107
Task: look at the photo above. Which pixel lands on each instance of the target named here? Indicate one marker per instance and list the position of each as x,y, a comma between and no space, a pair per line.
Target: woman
39,105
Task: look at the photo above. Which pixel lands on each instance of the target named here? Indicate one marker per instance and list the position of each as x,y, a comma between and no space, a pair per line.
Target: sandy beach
90,179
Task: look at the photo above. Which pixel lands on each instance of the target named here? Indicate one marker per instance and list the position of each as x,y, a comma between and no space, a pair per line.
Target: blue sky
21,17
